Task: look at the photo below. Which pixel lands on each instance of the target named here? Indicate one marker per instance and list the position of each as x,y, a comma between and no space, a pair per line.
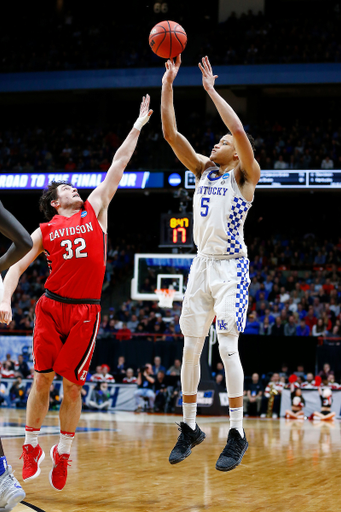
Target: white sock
65,442
236,419
189,414
31,436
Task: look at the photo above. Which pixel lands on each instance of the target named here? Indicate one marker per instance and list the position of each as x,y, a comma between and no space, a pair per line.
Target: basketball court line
33,507
13,430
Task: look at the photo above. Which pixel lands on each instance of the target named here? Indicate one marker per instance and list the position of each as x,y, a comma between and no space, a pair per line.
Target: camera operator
145,382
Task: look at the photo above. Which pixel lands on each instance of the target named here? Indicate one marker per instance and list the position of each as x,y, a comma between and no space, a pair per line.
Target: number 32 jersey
75,248
219,212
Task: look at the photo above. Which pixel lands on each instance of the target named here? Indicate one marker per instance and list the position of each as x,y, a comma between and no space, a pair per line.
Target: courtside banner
86,180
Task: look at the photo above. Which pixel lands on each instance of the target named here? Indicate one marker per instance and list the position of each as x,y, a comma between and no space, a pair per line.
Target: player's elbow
27,242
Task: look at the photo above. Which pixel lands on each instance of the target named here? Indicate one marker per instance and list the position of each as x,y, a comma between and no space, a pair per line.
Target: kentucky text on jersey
77,230
212,191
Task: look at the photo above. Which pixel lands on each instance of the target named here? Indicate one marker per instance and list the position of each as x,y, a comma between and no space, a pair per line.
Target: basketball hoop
166,297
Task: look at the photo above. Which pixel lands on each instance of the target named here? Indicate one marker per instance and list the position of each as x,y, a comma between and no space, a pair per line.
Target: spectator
22,367
145,382
277,328
100,397
327,163
97,376
10,364
309,383
129,378
253,397
4,398
220,382
18,393
302,329
290,327
120,368
7,370
319,328
275,387
124,333
157,367
160,388
265,327
299,372
175,369
54,398
252,326
133,323
326,371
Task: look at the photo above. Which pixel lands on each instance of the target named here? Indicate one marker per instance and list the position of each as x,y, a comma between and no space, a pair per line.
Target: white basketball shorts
216,288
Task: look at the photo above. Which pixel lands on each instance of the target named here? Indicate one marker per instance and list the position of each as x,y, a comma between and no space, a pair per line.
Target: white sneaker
275,416
263,415
11,492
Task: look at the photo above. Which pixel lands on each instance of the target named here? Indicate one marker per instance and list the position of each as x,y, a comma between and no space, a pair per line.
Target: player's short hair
50,194
251,139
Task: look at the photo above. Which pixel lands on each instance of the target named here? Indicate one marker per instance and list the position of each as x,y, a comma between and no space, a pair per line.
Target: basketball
167,39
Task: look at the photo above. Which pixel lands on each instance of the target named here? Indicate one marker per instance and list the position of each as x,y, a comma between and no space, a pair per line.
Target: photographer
145,382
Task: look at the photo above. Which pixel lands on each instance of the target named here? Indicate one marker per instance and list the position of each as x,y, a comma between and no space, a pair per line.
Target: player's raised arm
103,194
248,164
13,275
12,229
180,145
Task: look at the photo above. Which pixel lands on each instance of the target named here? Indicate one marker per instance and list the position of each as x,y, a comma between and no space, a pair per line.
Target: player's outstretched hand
145,113
5,313
172,68
208,78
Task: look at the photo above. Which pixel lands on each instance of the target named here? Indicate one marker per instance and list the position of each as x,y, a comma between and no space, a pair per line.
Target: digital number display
176,230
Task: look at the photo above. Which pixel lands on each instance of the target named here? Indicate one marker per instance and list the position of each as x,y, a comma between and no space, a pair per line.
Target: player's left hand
208,78
145,113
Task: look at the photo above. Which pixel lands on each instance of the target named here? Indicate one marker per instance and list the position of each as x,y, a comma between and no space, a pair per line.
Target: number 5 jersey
219,212
75,248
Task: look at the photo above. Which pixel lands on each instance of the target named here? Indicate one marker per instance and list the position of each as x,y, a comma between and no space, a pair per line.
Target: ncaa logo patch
84,213
226,175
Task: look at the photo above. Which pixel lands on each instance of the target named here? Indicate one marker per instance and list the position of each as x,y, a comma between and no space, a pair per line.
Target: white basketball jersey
219,212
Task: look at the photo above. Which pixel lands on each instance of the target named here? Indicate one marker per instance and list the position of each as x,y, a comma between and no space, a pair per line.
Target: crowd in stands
279,146
73,41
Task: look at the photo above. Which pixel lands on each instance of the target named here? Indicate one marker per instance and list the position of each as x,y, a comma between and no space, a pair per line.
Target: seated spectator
169,333
120,368
175,369
160,389
157,366
310,318
10,364
252,325
22,367
220,382
145,382
319,328
302,329
133,323
290,327
4,398
326,371
97,376
220,370
265,327
124,333
299,372
17,393
54,398
309,383
277,329
252,400
275,388
129,378
7,370
100,397
102,374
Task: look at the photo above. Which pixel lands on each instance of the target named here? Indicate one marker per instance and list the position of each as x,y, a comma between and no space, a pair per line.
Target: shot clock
176,230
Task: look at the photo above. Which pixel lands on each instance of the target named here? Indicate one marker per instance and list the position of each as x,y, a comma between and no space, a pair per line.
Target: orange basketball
167,39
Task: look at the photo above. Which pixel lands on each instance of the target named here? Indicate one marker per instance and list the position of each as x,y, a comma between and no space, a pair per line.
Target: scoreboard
176,230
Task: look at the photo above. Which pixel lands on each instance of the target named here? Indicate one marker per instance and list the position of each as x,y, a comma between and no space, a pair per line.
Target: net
166,297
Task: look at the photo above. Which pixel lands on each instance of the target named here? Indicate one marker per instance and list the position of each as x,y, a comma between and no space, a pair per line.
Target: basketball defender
219,277
11,492
68,314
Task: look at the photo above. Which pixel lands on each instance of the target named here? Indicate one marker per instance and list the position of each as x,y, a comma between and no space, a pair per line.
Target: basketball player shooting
219,277
67,316
11,492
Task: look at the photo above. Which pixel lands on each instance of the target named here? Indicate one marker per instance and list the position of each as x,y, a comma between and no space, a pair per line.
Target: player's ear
54,203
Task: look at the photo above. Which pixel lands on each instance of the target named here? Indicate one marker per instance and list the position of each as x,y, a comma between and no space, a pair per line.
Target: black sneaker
232,454
186,440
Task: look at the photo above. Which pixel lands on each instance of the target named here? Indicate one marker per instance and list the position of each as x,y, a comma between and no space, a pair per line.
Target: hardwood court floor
120,464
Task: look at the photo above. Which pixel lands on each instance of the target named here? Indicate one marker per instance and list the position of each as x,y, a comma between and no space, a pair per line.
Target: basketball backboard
155,271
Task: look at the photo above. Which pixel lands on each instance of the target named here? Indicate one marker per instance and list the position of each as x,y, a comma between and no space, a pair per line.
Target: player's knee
72,392
42,382
228,346
192,350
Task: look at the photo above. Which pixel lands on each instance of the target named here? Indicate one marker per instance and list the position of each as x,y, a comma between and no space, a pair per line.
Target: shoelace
183,438
62,465
28,459
232,449
8,482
